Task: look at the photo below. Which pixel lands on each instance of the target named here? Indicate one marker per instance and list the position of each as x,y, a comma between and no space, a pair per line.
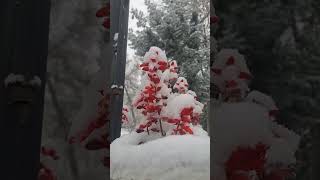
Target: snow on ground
173,157
124,131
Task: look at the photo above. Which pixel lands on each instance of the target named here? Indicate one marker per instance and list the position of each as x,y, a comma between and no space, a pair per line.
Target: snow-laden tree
181,28
169,136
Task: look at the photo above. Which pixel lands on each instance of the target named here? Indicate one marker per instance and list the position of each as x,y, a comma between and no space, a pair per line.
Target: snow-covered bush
230,73
169,109
166,111
248,142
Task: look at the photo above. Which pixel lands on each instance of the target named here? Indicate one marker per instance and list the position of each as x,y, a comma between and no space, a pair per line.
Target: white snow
184,157
114,86
19,78
115,45
152,53
36,81
14,78
176,104
116,36
262,99
124,131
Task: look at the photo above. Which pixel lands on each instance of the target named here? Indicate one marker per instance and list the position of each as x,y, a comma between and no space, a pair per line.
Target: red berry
231,84
103,12
217,71
230,61
244,75
106,23
214,19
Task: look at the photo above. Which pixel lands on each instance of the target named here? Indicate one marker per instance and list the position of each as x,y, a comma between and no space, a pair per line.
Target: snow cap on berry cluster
170,74
177,104
265,101
181,85
155,59
229,72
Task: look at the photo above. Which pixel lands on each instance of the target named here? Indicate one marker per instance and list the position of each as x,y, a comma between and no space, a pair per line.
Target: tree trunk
23,50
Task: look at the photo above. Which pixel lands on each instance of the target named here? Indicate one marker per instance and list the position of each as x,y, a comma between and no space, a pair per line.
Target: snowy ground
184,157
124,131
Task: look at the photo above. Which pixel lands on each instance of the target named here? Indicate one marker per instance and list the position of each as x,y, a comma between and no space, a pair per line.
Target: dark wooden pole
315,152
23,50
119,29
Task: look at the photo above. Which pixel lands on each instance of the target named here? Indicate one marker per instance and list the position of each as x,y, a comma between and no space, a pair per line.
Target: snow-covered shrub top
229,72
176,108
162,108
181,85
48,163
170,74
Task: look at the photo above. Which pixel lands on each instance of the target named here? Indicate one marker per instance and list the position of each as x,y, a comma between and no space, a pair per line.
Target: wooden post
23,50
119,32
314,154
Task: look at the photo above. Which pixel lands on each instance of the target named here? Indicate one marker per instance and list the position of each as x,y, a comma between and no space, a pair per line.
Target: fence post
23,50
119,32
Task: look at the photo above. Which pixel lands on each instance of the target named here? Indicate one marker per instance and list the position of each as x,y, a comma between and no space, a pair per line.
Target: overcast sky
139,4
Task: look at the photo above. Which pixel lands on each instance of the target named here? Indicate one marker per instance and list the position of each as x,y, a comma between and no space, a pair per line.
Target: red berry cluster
46,173
187,117
104,12
149,100
148,103
125,114
98,123
253,159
